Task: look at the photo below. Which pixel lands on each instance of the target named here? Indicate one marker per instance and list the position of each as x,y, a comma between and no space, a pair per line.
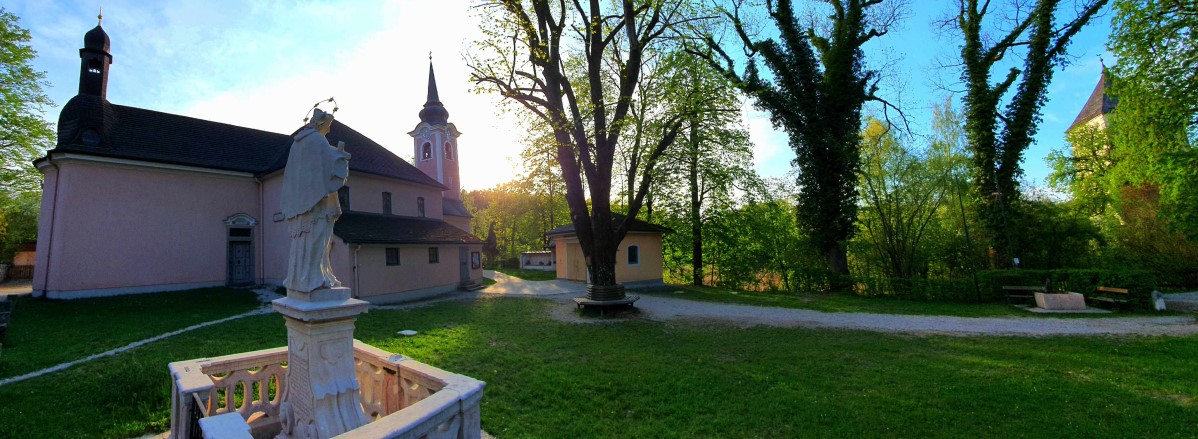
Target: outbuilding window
634,255
433,255
392,256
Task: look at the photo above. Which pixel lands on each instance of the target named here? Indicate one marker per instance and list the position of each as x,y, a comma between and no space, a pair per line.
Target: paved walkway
16,288
659,308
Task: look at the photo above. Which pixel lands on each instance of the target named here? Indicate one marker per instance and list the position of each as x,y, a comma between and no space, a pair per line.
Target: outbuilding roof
636,226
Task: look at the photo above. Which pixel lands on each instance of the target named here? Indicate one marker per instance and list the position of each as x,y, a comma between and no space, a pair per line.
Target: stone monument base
321,399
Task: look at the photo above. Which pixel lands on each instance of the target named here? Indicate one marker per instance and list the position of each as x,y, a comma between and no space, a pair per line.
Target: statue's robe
315,171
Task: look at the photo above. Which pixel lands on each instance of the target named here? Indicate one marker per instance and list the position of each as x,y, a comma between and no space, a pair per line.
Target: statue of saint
315,171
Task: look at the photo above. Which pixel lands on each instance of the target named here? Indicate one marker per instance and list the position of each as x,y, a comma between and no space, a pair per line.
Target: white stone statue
315,171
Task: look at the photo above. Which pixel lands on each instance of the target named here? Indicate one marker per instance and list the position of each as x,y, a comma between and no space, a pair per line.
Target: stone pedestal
321,398
1061,302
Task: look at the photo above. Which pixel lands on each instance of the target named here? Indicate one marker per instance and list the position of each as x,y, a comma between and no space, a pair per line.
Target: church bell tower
435,144
94,62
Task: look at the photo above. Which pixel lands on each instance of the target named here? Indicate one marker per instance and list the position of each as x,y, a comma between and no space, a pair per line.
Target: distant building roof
636,226
372,228
148,135
1100,103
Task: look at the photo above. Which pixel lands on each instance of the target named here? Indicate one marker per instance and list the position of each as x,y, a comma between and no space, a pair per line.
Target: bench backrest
1113,290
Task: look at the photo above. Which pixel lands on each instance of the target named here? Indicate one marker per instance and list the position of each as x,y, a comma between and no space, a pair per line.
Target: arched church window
426,152
343,198
448,151
93,66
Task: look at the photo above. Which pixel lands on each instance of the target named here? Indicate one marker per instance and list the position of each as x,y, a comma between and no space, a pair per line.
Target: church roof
636,226
1098,104
147,135
452,207
97,39
373,228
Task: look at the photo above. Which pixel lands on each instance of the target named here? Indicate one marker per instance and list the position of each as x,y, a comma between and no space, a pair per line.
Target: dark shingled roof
636,226
372,228
454,207
148,135
1099,103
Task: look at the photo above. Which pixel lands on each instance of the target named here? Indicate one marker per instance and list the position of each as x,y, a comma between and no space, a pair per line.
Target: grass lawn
528,274
44,333
648,379
851,303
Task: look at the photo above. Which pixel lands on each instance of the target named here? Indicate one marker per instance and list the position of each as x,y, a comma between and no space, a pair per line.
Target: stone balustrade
401,397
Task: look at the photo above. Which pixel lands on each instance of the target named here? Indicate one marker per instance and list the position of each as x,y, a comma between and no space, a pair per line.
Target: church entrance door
241,270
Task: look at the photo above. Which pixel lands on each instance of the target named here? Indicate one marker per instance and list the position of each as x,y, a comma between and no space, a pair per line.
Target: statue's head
320,121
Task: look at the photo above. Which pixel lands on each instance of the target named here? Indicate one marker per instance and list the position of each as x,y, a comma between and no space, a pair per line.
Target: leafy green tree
24,133
1083,172
1155,126
18,222
1002,116
902,195
819,84
713,157
530,54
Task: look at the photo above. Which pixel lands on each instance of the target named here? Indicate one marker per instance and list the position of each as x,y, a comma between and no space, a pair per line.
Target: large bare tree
556,59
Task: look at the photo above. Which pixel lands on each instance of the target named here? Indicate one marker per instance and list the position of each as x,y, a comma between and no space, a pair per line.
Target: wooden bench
1023,293
1114,301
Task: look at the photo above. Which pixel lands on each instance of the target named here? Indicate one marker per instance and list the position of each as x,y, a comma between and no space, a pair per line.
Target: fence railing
251,384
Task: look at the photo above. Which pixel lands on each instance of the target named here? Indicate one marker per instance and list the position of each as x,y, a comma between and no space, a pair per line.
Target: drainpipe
261,263
50,233
356,250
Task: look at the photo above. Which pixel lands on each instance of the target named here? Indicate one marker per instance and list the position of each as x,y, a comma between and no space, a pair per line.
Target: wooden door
464,257
241,266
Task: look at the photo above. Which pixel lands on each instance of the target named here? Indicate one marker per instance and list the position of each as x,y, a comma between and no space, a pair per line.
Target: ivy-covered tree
1001,117
815,90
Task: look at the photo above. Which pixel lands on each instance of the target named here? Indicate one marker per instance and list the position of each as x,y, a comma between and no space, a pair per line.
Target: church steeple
434,113
435,146
94,61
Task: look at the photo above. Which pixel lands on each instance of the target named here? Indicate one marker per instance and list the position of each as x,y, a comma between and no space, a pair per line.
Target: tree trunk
696,204
838,260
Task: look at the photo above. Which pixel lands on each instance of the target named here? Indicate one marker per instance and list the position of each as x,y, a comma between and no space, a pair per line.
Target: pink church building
136,200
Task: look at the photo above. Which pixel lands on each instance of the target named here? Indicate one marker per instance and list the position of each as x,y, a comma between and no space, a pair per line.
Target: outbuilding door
241,268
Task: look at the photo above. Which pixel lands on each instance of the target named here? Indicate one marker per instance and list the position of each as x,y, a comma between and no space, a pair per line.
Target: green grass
677,379
851,303
44,333
488,281
528,274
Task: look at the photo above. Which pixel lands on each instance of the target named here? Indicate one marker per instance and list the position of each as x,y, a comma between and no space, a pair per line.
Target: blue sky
262,64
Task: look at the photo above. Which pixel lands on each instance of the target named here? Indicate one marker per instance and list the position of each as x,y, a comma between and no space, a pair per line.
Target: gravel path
665,308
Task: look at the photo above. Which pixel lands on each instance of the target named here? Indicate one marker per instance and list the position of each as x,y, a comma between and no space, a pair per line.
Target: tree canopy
24,132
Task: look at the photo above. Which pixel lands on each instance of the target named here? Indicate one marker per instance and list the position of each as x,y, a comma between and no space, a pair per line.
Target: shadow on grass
45,333
636,378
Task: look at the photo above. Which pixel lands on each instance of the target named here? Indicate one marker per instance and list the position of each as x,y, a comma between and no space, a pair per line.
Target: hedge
1140,284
